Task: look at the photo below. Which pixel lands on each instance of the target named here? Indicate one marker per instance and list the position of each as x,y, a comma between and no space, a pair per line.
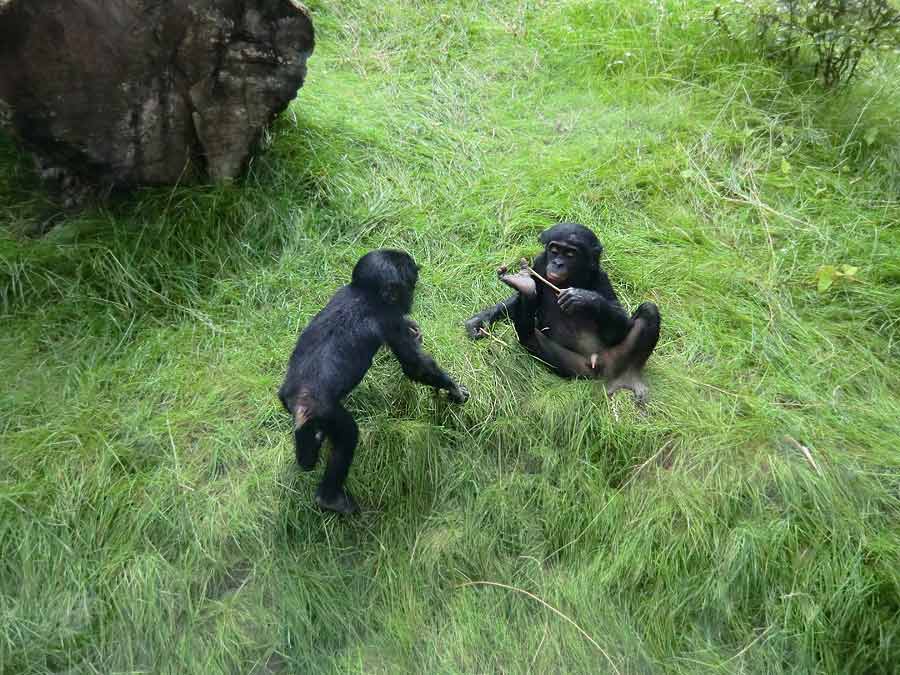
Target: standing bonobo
577,326
333,354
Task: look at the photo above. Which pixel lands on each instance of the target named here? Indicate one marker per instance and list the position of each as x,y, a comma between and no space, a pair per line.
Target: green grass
151,516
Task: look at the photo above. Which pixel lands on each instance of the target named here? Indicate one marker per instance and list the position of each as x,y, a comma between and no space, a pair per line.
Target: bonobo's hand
458,393
575,299
414,330
476,327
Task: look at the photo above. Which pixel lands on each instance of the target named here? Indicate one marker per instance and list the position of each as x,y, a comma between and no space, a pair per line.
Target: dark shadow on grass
157,252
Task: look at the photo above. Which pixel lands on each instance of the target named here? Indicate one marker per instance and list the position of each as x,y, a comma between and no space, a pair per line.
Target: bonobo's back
336,348
333,354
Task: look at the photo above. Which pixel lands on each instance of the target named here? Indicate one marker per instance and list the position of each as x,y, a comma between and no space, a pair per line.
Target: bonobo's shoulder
342,305
389,323
348,298
344,293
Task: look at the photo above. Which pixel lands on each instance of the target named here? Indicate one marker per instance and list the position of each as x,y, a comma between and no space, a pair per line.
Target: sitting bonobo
575,323
333,354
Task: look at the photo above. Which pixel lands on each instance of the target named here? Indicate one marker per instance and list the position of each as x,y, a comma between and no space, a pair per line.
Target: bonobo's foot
632,381
339,502
522,281
476,327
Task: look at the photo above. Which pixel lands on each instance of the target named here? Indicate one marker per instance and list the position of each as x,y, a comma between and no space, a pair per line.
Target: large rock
127,92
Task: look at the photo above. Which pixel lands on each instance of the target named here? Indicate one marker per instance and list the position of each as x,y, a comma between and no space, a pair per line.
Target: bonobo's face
565,264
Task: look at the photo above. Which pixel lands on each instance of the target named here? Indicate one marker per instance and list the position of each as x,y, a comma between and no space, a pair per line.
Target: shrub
834,34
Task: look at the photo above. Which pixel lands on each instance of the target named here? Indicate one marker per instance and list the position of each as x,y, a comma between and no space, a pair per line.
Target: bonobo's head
572,253
389,275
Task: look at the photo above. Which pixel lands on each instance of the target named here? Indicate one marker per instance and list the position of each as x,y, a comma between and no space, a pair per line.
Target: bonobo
566,313
333,354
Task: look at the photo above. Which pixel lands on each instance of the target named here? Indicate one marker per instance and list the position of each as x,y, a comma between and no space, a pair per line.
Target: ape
575,323
333,354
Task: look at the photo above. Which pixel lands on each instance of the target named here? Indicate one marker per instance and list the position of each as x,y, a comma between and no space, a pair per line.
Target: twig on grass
487,333
609,501
548,606
806,453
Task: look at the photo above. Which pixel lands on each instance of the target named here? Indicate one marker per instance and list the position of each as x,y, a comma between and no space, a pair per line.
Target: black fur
584,320
335,351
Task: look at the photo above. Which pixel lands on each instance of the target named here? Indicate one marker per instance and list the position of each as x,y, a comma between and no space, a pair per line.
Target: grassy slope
151,518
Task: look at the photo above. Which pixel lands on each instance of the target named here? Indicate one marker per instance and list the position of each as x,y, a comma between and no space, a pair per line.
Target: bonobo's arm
602,302
416,364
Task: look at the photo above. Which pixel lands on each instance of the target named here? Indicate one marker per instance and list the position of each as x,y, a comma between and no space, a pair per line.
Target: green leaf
870,136
785,166
825,277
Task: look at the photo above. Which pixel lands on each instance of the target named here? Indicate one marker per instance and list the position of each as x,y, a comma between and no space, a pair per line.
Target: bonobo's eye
570,254
554,250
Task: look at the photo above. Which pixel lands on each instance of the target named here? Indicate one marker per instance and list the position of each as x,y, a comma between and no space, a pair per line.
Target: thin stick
492,336
548,606
806,453
752,642
496,339
539,277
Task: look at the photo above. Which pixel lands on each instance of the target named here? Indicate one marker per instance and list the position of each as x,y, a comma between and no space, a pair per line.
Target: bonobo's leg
648,312
565,361
632,352
344,434
478,324
523,316
307,441
624,362
308,437
521,281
